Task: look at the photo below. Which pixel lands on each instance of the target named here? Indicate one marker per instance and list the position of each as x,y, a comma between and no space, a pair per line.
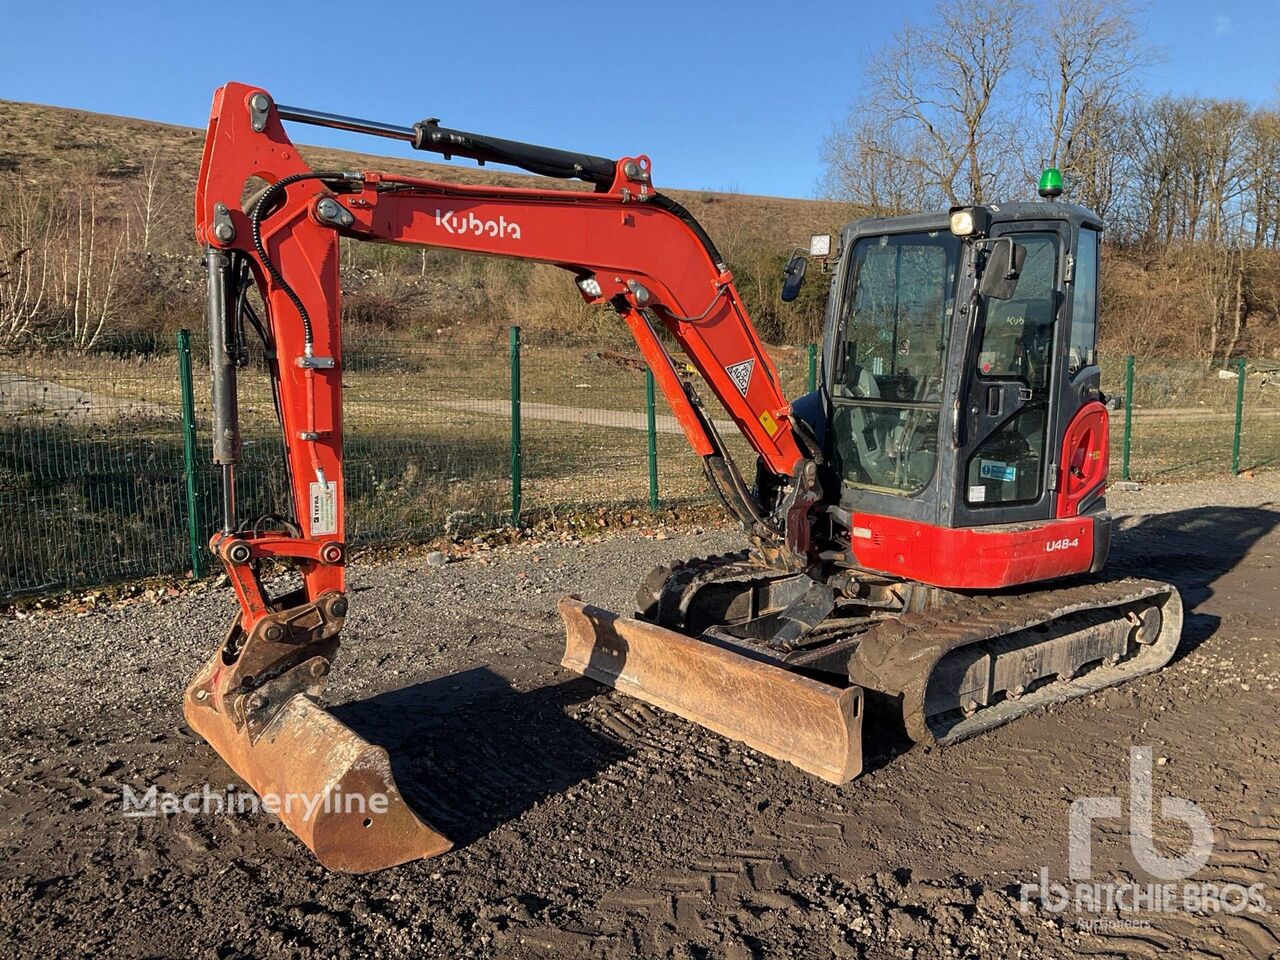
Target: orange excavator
924,532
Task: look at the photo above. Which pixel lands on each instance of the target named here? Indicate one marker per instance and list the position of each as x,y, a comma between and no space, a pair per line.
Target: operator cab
959,349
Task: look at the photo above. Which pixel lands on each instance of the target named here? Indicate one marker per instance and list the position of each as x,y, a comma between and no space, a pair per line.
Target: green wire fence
105,472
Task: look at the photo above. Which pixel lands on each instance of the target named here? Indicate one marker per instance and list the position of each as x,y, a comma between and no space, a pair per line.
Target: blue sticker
996,470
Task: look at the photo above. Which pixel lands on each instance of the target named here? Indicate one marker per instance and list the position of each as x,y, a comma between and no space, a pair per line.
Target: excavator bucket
328,785
813,725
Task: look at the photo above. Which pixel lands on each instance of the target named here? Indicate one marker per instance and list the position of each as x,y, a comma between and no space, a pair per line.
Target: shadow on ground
1192,549
470,753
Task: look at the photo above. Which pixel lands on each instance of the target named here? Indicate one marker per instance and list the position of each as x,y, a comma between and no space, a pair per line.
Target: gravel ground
590,825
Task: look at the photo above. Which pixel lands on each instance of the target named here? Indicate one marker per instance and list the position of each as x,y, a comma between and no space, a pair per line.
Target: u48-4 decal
1063,544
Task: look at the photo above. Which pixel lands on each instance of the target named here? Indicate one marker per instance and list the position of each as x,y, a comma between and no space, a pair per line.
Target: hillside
129,165
118,190
42,142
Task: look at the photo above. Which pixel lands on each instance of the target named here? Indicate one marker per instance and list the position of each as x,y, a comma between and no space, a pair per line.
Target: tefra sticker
324,514
740,374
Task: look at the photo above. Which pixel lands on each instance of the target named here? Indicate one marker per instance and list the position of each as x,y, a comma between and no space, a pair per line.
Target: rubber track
897,656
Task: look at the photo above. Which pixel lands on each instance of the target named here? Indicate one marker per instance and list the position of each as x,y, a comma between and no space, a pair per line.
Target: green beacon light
1050,183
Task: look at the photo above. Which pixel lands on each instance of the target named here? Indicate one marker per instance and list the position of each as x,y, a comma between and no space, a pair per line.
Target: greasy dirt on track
588,824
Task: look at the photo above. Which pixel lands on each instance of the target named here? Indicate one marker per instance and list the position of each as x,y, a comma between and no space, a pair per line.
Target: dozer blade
328,785
813,725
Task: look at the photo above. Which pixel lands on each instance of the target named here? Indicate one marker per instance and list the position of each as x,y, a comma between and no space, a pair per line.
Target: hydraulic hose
265,200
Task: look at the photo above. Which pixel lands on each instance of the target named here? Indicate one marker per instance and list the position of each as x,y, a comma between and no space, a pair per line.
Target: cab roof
1017,211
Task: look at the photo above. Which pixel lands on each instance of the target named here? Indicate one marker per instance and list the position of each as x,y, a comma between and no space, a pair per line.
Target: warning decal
740,374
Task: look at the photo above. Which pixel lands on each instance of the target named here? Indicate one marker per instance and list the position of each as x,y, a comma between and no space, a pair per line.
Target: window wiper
842,353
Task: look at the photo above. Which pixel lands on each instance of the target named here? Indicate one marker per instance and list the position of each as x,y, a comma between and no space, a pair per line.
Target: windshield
897,314
896,318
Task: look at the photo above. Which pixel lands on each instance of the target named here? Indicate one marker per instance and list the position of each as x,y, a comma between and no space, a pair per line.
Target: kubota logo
450,221
1063,544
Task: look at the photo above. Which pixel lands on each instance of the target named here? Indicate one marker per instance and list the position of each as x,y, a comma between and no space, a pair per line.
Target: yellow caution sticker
770,425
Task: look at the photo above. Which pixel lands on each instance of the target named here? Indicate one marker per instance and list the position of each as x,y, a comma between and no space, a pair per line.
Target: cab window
1084,302
896,318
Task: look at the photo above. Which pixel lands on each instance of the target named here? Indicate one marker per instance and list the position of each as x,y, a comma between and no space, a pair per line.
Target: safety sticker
977,493
740,374
997,470
324,513
770,425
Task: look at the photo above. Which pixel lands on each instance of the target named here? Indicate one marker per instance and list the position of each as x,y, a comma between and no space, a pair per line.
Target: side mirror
793,277
1004,267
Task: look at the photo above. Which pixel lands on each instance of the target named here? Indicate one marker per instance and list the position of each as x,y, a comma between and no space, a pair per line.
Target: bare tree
869,164
28,232
1160,148
1262,160
1221,132
1083,67
1101,165
92,255
932,115
150,204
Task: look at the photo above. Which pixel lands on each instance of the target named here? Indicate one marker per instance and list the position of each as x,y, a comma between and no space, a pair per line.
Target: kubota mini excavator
926,528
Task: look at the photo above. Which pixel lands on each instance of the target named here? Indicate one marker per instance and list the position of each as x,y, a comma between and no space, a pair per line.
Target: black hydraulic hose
245,309
722,472
663,202
808,439
255,221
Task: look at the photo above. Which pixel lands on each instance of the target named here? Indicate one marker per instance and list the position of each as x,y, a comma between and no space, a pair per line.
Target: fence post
1128,415
195,522
651,416
516,451
813,367
1235,440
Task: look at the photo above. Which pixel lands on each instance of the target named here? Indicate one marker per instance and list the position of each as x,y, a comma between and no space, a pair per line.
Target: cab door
1005,470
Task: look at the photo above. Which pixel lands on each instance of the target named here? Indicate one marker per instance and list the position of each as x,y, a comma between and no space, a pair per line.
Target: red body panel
999,555
1084,458
973,558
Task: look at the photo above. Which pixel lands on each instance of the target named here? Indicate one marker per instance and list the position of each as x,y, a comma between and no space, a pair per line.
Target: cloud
1222,25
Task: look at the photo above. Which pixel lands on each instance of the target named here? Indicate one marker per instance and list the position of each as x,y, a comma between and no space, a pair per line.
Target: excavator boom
266,218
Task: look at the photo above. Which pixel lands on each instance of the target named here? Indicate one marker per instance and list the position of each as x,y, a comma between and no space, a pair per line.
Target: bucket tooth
327,784
813,725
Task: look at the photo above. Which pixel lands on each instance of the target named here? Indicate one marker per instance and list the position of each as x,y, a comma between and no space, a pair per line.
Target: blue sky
722,96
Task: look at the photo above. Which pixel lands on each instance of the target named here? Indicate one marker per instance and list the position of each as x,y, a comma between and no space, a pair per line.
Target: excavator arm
624,244
265,218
